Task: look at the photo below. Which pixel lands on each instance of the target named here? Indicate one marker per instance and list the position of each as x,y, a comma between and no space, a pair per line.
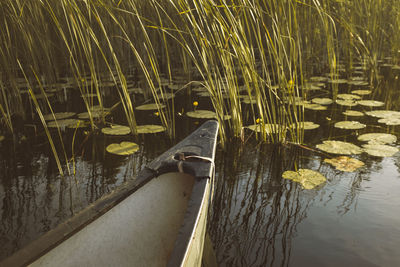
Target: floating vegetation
201,114
348,96
309,179
314,106
249,100
268,128
349,103
136,90
322,101
383,113
2,138
306,125
123,149
150,128
353,125
311,87
337,81
361,92
166,96
204,94
318,79
152,106
344,163
371,103
390,121
116,130
378,138
95,114
339,147
69,123
379,150
358,83
353,113
58,116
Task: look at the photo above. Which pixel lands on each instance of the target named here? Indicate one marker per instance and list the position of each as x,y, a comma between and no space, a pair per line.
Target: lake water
257,218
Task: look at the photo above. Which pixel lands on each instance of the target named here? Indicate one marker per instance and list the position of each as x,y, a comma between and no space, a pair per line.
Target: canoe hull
157,219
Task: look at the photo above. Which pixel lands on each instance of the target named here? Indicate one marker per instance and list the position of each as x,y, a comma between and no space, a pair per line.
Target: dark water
257,218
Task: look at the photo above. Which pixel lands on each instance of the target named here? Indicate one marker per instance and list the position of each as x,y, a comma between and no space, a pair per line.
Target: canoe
157,219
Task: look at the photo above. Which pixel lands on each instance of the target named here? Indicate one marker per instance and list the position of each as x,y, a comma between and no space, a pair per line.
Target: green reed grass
265,47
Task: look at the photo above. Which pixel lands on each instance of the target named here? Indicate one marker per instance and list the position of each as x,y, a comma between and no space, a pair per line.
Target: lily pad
339,147
306,125
116,130
123,149
309,179
353,125
152,106
150,128
353,113
358,83
136,90
322,101
378,138
337,81
70,123
202,114
383,113
348,97
95,114
344,163
314,106
390,121
349,103
361,92
371,103
58,116
380,150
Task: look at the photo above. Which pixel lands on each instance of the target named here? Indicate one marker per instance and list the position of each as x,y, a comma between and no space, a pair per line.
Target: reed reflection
255,211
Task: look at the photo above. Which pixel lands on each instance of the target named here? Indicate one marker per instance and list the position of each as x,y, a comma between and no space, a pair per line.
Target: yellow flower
258,120
195,103
156,113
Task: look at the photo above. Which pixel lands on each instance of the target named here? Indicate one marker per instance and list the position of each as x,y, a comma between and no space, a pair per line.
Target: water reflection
255,211
34,198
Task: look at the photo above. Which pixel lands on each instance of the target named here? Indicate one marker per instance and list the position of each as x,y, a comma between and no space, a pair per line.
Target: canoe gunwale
201,142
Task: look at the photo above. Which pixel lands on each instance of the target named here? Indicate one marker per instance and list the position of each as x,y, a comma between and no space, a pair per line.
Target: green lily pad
123,149
383,113
314,106
58,116
349,103
152,106
361,92
116,130
166,96
318,79
249,100
380,150
311,87
339,147
309,179
370,103
136,90
337,81
202,114
70,123
358,83
348,97
150,128
350,125
306,125
353,113
268,128
95,114
344,163
203,94
390,121
322,101
378,138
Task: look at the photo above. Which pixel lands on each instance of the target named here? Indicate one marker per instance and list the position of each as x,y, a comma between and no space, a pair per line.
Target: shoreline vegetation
252,59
